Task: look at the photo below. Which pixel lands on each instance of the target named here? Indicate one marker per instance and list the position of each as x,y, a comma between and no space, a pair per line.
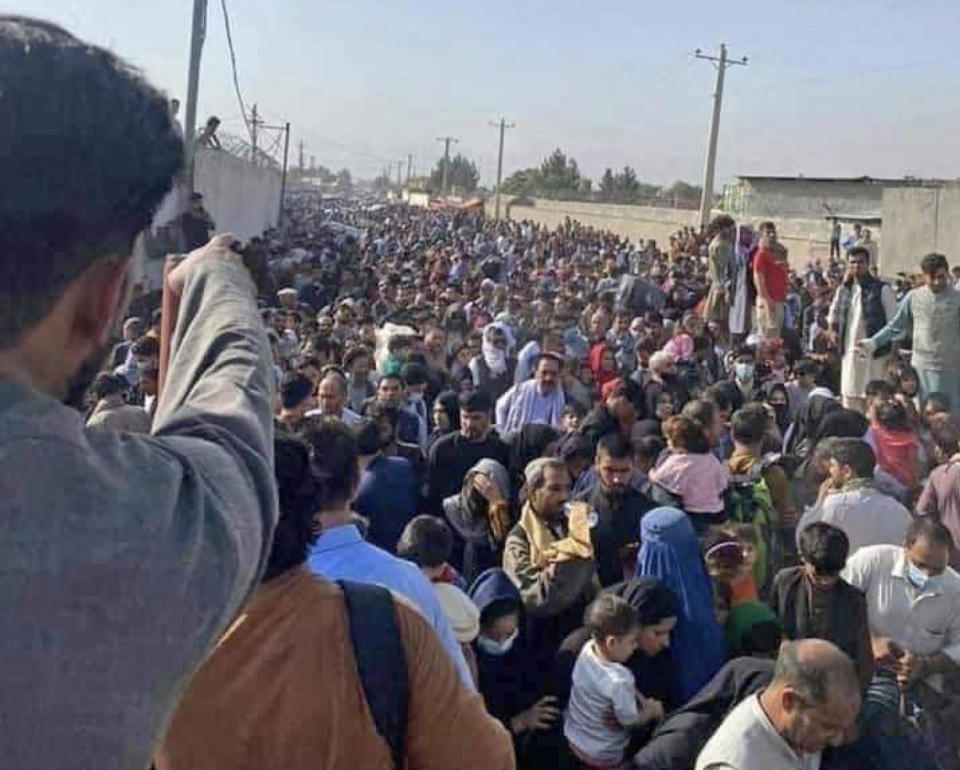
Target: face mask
920,579
743,371
493,647
416,398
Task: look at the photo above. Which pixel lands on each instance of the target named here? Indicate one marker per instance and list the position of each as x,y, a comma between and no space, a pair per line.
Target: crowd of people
422,488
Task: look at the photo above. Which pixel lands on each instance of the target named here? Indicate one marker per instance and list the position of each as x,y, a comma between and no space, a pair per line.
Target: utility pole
720,63
301,157
254,122
283,179
409,169
446,161
198,33
399,168
503,126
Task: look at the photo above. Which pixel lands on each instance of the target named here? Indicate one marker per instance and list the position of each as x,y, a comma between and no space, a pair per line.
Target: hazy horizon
831,90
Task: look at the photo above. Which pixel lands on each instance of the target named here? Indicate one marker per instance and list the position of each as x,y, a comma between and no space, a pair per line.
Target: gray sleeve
215,416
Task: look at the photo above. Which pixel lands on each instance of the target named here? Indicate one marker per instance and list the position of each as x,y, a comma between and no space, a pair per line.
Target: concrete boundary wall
805,238
917,221
242,198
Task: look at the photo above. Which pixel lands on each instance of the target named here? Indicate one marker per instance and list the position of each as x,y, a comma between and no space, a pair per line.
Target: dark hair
880,388
933,262
294,533
476,401
354,353
842,423
145,346
855,453
575,446
649,447
426,541
859,251
390,376
928,528
892,415
77,186
719,396
701,410
108,383
415,374
615,446
945,432
367,435
609,615
548,356
805,366
333,461
824,547
294,389
749,425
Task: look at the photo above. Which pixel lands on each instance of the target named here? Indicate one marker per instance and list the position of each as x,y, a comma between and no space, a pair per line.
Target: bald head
815,669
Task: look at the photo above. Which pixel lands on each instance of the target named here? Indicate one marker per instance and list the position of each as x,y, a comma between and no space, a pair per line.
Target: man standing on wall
770,278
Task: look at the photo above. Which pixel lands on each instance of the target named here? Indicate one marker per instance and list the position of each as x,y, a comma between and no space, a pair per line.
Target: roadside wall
804,238
242,198
917,221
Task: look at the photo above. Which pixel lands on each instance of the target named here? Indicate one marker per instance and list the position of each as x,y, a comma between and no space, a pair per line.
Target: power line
233,65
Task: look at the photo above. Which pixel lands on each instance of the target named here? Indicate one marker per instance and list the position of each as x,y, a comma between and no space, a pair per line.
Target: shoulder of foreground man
470,737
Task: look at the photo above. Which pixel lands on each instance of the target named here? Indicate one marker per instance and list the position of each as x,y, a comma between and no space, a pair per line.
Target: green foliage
462,177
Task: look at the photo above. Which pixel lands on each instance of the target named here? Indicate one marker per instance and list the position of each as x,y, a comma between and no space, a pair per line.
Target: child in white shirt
603,685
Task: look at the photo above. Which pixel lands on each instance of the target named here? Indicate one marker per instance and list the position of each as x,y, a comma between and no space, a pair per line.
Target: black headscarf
652,600
451,406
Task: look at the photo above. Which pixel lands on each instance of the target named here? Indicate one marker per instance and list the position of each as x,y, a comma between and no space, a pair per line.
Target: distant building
774,197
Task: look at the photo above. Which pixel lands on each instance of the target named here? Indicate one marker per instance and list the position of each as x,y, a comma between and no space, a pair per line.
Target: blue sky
833,88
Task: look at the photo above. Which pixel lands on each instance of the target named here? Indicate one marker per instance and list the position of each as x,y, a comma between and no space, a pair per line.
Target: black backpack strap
381,660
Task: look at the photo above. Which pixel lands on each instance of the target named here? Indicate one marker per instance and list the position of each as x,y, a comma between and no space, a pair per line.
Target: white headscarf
494,357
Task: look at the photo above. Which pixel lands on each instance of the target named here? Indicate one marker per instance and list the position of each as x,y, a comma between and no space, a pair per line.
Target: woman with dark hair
445,414
652,663
775,396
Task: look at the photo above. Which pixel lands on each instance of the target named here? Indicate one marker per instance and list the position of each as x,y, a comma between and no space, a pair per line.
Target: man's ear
101,291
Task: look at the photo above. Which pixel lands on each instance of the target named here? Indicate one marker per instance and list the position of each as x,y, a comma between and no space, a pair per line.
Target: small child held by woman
692,473
602,685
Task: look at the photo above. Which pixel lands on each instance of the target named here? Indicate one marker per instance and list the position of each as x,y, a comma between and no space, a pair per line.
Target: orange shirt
281,690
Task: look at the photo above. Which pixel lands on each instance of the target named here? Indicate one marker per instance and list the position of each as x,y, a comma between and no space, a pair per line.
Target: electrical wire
233,65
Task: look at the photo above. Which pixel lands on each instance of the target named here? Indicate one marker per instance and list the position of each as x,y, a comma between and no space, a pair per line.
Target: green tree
559,176
462,175
608,186
343,179
523,182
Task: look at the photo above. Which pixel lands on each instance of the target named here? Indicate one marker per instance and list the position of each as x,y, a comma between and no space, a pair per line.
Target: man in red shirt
770,278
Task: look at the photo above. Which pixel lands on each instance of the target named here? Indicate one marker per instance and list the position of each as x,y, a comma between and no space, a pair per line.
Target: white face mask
416,398
493,647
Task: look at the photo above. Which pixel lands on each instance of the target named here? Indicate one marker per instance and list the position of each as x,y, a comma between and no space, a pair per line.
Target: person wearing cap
538,400
550,558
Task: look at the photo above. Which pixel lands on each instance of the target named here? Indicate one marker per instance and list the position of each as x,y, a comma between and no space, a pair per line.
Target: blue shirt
387,496
341,554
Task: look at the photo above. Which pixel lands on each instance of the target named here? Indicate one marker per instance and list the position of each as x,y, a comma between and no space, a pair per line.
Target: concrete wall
917,221
805,238
242,198
804,199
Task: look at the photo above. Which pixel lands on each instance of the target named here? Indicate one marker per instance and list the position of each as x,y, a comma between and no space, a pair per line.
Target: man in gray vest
125,556
861,307
932,312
